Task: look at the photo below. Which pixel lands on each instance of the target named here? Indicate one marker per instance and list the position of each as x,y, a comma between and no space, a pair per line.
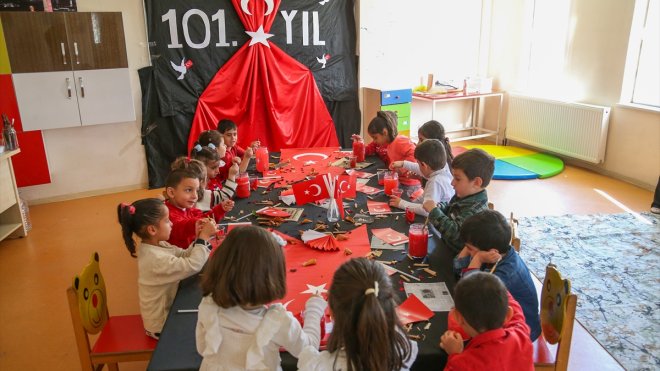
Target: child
366,334
212,138
390,146
434,130
235,328
160,265
431,164
495,322
487,237
181,188
235,154
472,172
209,156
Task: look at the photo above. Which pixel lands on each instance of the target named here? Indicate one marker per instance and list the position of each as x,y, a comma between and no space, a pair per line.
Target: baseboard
96,192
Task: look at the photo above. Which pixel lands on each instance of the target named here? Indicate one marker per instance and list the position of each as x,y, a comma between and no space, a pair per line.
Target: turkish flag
268,94
310,191
347,186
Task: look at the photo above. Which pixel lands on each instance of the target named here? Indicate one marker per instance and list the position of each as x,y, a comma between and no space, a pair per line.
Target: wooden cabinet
68,69
398,101
11,220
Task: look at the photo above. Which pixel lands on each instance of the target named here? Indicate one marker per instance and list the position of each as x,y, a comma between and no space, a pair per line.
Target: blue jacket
517,279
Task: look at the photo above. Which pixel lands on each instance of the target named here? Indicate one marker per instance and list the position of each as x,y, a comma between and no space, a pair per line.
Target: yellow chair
121,339
557,319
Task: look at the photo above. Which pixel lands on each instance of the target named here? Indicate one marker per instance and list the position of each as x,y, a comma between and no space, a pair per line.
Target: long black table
176,348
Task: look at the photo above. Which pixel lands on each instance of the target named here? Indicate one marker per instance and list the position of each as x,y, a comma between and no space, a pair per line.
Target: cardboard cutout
90,289
553,303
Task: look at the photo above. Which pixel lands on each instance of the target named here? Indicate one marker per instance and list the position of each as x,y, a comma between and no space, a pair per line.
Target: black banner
191,39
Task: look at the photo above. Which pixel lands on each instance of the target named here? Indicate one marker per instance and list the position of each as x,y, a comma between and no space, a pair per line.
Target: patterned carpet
613,262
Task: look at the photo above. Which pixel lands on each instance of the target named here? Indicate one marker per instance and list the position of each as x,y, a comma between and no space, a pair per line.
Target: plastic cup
410,215
254,181
381,177
390,182
397,192
243,186
353,161
418,240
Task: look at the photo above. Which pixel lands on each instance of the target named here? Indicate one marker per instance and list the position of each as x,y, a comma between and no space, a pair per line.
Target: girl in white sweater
235,328
160,265
367,334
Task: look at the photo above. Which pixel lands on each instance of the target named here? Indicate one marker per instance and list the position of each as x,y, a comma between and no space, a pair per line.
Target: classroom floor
35,325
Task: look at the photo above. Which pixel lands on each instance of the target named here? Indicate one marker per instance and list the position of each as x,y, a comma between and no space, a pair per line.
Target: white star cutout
310,162
259,36
306,191
315,290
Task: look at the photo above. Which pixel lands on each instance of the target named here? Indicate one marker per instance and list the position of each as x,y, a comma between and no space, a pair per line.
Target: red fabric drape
268,94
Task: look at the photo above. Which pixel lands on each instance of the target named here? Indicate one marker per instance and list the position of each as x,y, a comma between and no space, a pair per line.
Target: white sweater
438,187
160,268
239,339
312,360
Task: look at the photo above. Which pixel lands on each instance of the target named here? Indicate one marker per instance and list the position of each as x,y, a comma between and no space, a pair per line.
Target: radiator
573,129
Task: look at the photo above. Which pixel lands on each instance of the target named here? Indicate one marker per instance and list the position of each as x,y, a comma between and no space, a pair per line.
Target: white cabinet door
104,96
46,100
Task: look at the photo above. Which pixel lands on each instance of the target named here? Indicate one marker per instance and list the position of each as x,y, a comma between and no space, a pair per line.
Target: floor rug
613,261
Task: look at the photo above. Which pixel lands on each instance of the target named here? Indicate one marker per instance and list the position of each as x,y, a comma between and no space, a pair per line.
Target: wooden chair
121,338
557,318
515,241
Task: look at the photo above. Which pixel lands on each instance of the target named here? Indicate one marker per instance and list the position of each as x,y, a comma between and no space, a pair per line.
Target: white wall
398,45
102,158
595,60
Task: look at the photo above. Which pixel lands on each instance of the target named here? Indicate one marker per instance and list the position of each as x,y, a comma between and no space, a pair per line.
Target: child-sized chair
121,339
557,318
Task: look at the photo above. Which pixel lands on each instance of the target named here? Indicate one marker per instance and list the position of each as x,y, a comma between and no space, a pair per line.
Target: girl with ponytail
160,265
367,334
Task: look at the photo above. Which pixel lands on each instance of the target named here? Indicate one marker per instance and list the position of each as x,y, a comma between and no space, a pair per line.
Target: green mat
540,163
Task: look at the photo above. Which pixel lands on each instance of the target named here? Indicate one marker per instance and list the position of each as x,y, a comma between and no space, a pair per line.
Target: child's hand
255,144
465,252
396,164
249,152
233,171
489,257
208,229
451,342
356,137
429,205
227,205
395,201
236,160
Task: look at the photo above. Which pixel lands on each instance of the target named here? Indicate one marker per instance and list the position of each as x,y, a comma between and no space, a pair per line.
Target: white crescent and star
315,290
269,7
317,187
320,155
341,186
259,36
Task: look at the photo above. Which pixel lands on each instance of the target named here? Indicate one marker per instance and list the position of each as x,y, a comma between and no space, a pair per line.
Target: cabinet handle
63,53
68,88
82,87
75,49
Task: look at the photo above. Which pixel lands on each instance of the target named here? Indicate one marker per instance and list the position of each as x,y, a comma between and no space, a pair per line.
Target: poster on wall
62,5
22,5
191,40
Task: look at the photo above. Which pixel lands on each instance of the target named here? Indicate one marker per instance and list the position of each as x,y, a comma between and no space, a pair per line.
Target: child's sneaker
655,210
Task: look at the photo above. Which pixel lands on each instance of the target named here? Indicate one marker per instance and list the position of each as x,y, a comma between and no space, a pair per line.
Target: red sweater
400,149
183,223
235,151
506,348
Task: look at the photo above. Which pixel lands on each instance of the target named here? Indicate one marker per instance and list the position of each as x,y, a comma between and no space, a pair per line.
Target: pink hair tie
131,208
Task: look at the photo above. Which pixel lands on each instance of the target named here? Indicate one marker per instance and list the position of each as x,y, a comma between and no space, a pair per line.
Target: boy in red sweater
499,335
234,154
181,188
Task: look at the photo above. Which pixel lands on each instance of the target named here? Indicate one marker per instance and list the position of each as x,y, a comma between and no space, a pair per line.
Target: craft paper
369,190
413,310
273,212
434,295
378,208
389,235
378,244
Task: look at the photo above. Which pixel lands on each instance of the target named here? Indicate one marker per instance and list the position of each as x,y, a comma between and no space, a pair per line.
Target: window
641,83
